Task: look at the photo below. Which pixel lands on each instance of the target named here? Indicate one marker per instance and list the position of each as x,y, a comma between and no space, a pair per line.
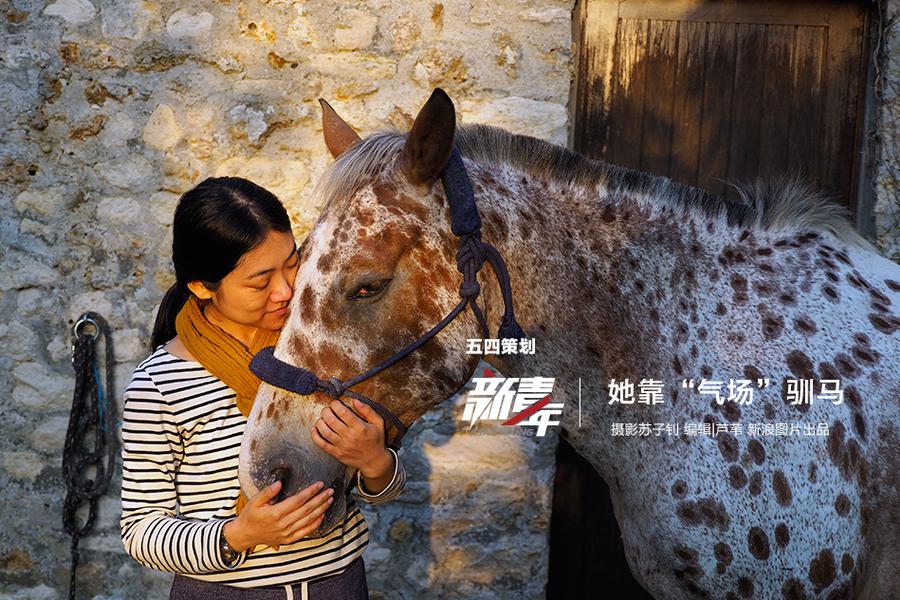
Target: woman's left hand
354,438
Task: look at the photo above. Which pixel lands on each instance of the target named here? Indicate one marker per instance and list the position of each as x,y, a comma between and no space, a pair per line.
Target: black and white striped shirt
181,436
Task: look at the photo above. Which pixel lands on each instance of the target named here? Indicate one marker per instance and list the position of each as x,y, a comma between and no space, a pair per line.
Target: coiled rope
89,453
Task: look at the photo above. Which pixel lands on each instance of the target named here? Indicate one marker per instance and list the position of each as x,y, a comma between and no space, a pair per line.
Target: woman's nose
283,292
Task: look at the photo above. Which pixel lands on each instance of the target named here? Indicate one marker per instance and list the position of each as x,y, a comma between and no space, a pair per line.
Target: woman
186,407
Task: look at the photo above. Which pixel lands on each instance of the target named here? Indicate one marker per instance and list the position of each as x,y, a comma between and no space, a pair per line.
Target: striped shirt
181,437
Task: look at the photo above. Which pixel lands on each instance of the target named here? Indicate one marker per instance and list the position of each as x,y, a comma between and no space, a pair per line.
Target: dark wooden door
710,92
703,92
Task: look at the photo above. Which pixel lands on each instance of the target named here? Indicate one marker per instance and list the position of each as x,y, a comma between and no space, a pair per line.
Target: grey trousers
349,585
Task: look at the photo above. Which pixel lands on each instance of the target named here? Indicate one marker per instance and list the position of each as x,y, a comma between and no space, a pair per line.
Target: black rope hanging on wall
89,453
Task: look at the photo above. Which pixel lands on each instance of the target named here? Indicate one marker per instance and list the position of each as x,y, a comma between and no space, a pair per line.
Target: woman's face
257,292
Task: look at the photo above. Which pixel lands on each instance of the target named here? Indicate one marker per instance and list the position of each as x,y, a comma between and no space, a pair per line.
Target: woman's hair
216,223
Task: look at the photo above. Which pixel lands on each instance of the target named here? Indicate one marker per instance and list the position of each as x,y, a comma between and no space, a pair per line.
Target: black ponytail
215,224
164,328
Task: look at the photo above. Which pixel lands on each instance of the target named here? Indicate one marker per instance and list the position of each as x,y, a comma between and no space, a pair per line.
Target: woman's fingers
308,523
319,500
326,432
266,494
343,412
289,504
338,423
305,531
320,441
368,413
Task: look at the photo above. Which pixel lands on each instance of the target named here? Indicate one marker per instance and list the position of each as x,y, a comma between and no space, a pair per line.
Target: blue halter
470,257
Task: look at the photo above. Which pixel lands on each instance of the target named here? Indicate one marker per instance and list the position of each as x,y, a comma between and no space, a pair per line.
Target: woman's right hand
278,524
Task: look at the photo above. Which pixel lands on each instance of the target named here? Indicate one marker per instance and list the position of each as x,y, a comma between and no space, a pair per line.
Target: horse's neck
586,271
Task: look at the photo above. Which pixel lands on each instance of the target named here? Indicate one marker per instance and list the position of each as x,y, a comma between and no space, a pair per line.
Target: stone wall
110,109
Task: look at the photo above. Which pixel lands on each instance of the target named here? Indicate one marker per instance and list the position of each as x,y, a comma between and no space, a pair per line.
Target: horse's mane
771,204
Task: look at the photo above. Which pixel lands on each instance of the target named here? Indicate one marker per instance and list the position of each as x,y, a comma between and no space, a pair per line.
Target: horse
619,274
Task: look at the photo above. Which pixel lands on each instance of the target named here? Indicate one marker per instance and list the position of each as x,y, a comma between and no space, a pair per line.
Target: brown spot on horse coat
706,511
755,485
728,446
852,397
679,489
886,325
782,535
731,412
758,543
737,477
846,366
764,288
800,365
838,450
324,263
859,425
846,563
865,355
306,302
752,373
745,587
723,553
756,450
822,570
805,325
688,555
793,590
842,505
772,326
842,256
739,284
782,489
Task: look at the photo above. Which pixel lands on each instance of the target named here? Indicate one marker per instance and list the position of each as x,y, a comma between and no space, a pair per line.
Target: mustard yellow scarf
221,353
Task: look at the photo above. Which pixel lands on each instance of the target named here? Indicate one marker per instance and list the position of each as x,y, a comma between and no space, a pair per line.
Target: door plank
661,71
629,79
687,111
718,86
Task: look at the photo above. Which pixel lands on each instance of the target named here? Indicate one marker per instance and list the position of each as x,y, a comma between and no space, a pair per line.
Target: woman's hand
357,440
278,524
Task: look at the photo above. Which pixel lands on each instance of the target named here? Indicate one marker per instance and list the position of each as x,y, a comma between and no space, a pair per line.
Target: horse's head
377,271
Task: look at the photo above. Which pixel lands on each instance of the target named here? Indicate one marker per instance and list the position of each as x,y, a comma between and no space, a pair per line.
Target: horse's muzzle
297,469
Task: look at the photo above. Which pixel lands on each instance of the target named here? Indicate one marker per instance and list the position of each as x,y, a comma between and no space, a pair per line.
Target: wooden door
707,92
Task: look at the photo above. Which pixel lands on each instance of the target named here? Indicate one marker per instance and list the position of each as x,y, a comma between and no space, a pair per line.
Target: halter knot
470,252
469,289
333,386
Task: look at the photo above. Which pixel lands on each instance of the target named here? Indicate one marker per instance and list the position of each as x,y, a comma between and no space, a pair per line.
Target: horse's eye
370,289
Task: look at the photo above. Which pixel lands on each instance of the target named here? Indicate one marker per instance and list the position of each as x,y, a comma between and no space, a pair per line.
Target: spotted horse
619,274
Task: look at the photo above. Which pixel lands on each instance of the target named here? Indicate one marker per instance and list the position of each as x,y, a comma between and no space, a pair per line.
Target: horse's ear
430,141
338,135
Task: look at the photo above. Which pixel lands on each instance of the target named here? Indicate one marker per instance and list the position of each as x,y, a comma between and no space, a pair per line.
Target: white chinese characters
524,402
500,346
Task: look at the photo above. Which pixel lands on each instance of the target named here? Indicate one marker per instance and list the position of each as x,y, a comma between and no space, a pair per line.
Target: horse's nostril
283,474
